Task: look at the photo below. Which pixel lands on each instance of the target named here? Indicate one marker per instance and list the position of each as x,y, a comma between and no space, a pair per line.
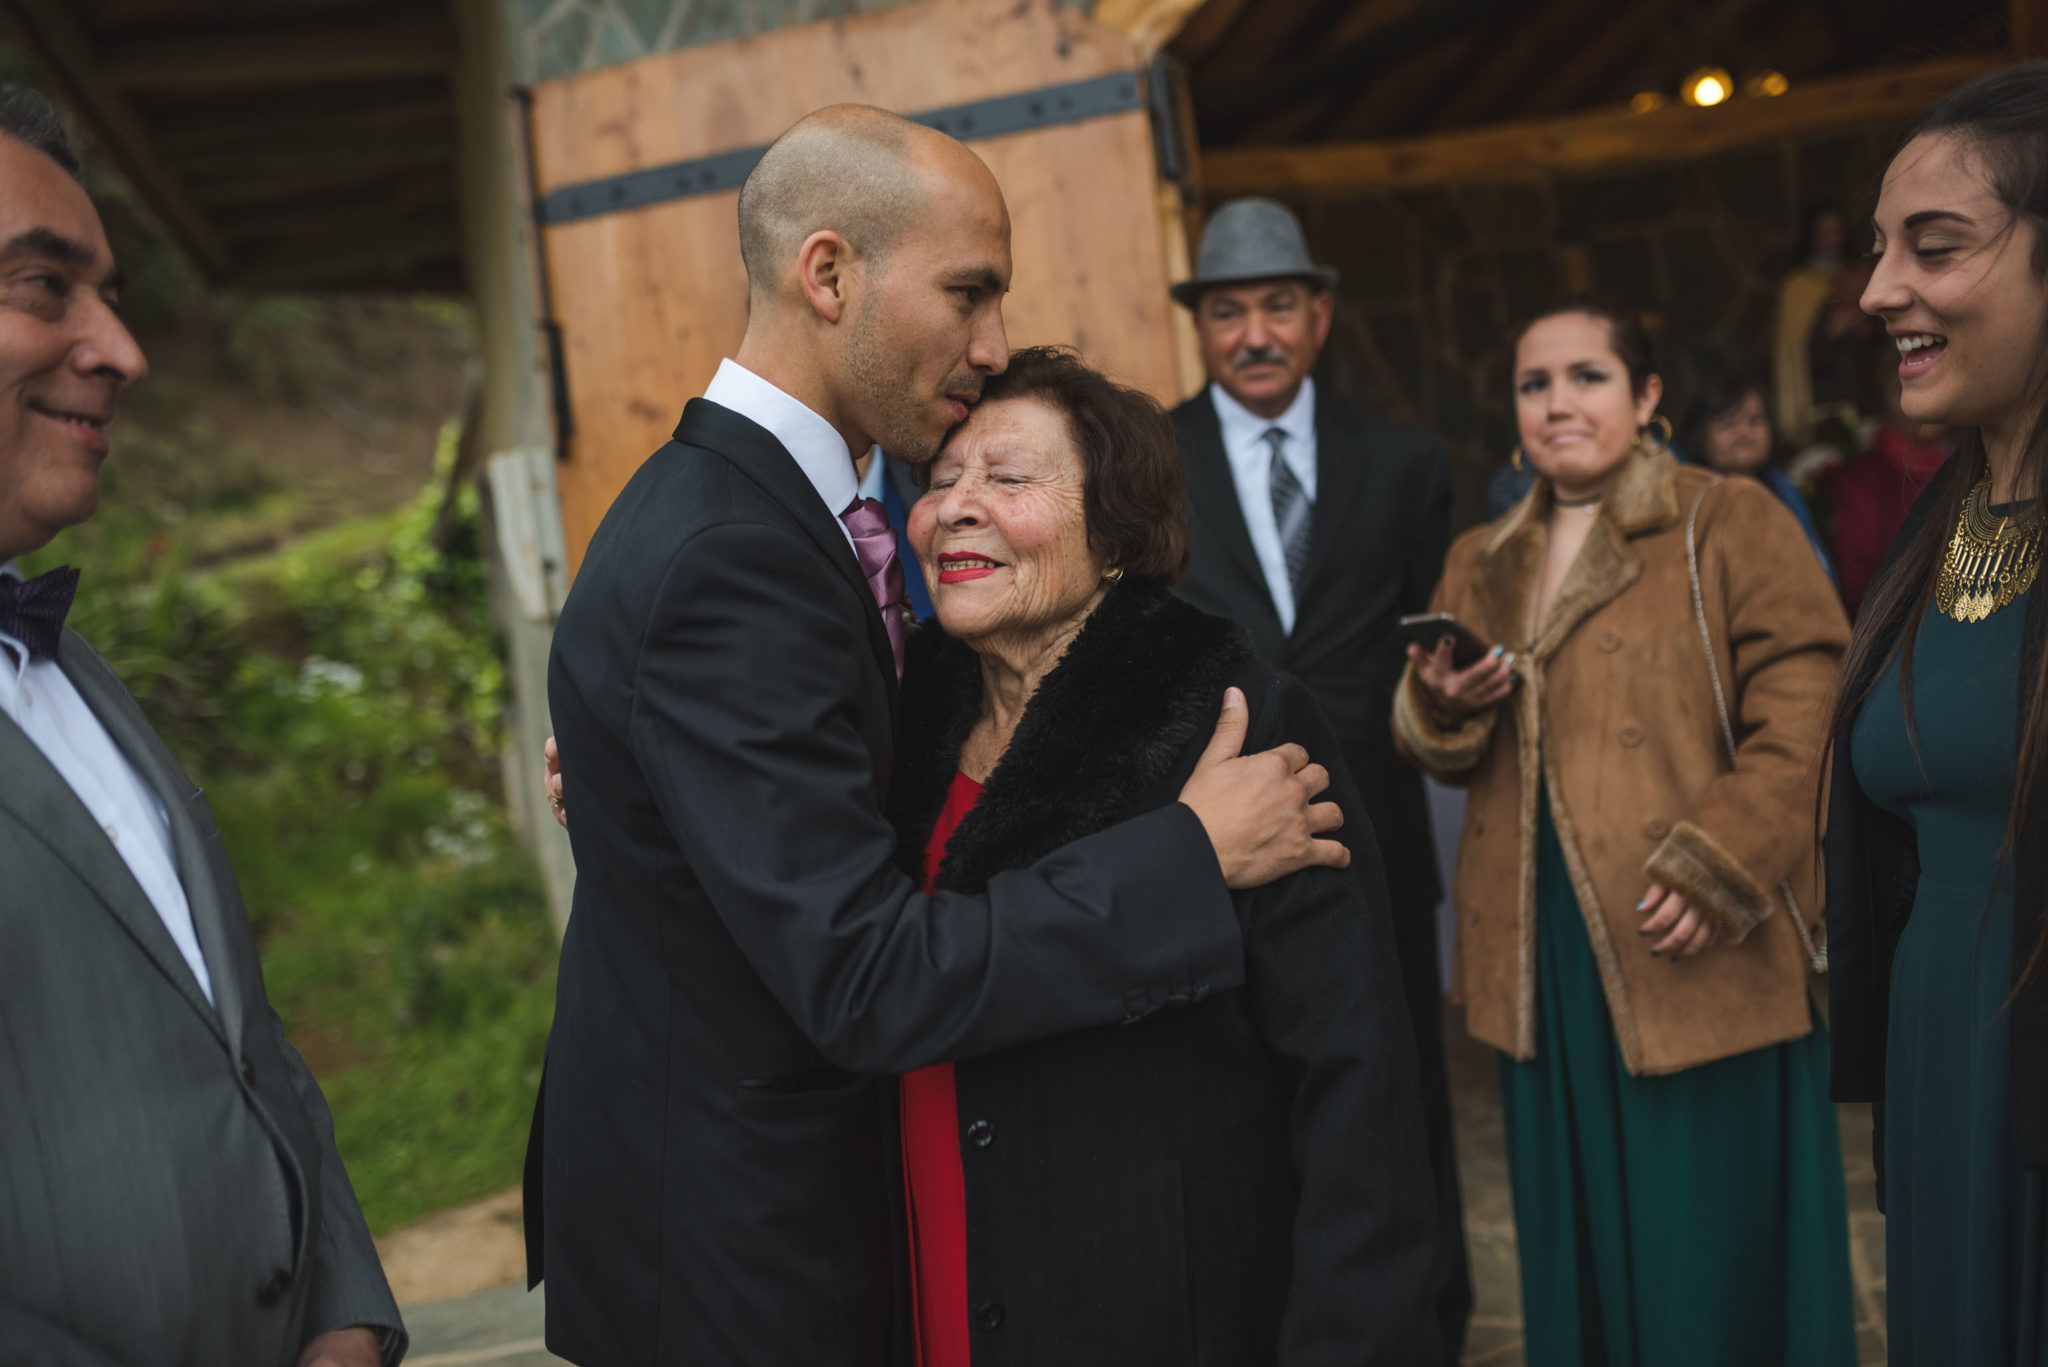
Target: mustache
1258,355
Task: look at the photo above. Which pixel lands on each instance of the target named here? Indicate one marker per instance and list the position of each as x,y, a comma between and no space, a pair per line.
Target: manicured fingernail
1508,659
1644,903
1497,652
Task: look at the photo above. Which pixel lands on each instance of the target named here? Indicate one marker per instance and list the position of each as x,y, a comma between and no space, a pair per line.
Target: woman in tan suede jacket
1625,937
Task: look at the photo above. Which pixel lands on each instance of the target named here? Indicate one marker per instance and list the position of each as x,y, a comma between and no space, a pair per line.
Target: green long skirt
1692,1220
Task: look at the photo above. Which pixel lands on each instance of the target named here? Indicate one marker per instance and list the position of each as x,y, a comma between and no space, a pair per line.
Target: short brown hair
1135,495
1626,333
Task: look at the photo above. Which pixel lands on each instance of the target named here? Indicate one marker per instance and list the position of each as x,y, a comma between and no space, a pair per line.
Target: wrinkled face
1577,416
1259,341
1002,534
1957,289
1738,442
928,326
64,354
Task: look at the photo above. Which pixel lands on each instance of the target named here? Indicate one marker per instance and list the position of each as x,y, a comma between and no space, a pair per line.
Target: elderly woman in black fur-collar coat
1236,1178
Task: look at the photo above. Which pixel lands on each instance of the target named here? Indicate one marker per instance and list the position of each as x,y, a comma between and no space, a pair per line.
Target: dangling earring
1515,459
1114,576
1659,424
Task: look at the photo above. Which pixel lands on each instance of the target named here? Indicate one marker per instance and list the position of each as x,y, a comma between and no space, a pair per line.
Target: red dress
936,1191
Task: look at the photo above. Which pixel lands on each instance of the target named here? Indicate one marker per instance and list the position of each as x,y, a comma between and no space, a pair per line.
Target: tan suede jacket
1616,716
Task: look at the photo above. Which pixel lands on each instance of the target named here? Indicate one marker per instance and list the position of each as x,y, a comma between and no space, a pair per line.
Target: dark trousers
1451,1282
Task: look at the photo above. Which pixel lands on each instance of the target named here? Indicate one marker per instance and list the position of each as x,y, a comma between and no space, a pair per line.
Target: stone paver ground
435,1262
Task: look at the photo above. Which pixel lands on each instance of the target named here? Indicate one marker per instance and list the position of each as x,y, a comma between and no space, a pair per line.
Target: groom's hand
551,780
1259,810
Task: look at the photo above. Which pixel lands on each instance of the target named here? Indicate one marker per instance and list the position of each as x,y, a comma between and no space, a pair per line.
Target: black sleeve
745,725
1325,987
1429,531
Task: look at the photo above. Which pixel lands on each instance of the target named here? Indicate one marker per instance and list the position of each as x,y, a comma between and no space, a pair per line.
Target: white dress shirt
820,451
1251,465
43,702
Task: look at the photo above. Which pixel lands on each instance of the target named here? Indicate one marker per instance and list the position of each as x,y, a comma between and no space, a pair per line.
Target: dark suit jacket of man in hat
1377,513
714,1175
170,1193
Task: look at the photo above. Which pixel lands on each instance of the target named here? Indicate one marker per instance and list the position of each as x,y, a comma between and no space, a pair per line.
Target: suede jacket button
1657,829
1631,736
1609,642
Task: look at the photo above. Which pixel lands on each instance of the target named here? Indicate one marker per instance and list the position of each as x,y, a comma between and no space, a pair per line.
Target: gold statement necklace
1991,559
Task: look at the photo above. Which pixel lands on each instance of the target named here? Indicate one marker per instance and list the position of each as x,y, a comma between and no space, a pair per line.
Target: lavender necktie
874,545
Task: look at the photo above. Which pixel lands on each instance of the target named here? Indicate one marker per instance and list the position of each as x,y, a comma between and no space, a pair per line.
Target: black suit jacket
1240,1181
709,1179
1376,548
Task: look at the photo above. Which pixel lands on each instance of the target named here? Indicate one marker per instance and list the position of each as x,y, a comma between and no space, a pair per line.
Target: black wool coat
1229,1177
1873,873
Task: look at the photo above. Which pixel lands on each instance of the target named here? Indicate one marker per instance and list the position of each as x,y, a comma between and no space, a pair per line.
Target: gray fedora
1252,239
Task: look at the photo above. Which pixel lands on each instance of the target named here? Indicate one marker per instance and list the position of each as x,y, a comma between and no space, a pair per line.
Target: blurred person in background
170,1191
1869,495
1625,937
1316,527
1728,428
1937,823
1822,341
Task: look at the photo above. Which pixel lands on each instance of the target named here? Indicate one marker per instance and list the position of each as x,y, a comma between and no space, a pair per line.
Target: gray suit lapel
110,701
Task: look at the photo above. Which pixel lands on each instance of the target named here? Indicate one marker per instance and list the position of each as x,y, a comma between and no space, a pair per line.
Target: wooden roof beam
1585,144
281,55
60,44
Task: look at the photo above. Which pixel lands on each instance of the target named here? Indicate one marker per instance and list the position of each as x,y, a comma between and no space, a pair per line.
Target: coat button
1609,642
989,1316
273,1289
1657,829
1631,736
981,1134
248,1071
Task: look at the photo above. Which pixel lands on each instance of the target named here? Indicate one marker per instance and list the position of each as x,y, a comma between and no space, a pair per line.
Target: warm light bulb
1707,86
1766,84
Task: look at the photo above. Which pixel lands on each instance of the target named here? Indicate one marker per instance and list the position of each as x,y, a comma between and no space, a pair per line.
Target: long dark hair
2003,117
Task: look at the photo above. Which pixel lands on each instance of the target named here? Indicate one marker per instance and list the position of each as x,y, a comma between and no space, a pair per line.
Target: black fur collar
1143,678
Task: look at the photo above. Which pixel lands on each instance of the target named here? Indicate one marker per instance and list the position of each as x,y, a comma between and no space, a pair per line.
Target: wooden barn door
637,169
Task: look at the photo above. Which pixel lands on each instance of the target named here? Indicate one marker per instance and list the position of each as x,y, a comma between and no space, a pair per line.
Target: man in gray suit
169,1188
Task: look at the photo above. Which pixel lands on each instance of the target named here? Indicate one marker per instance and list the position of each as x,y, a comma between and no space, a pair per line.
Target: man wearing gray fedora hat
1317,527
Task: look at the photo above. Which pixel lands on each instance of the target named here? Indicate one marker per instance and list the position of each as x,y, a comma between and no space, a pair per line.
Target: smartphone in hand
1425,629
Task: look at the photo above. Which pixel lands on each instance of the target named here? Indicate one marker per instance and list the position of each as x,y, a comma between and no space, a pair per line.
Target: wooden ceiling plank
1149,24
281,55
54,37
1538,45
1584,79
1586,144
1403,94
193,134
345,157
1205,28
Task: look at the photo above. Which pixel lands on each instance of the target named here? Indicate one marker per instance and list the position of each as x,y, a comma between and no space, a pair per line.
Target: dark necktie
1291,508
874,545
32,612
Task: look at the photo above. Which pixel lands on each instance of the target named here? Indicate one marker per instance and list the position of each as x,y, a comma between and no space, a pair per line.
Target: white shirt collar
1244,431
819,450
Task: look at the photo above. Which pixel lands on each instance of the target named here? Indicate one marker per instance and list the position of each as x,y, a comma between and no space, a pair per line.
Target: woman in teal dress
1937,856
1625,937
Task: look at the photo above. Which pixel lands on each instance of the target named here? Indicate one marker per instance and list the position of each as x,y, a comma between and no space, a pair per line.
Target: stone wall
1433,281
553,38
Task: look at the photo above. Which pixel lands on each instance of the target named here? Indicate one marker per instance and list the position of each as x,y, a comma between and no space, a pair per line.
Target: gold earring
1661,425
1114,576
1515,459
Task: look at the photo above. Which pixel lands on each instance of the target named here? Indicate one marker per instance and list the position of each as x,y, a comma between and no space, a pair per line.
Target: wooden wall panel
650,300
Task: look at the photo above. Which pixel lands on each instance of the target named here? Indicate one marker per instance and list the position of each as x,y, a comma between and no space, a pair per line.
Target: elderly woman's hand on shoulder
1457,694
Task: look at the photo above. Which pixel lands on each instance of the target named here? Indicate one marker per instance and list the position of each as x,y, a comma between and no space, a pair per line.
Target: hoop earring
1515,459
1114,576
1662,425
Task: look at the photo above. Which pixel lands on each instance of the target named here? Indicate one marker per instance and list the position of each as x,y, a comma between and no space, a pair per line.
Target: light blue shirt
42,701
1251,464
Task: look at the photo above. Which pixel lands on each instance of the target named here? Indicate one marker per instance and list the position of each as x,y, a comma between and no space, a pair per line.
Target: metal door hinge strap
1117,93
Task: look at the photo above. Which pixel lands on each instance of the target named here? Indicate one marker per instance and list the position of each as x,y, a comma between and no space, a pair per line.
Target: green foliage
340,701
